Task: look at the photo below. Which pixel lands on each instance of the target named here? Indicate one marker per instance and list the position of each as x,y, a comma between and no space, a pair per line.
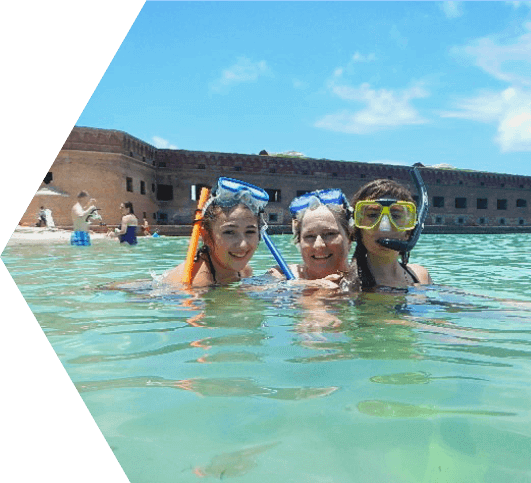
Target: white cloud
384,109
244,70
508,61
510,109
452,9
161,143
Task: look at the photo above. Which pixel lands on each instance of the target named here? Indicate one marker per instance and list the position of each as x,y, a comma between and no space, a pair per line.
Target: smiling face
232,239
324,243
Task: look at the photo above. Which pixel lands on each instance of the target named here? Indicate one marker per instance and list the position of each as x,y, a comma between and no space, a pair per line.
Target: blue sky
392,82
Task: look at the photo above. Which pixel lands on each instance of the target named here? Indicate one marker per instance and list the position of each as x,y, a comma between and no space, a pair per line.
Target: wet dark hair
82,194
129,205
379,188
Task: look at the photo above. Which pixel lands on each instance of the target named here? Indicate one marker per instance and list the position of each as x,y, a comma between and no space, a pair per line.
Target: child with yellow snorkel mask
386,228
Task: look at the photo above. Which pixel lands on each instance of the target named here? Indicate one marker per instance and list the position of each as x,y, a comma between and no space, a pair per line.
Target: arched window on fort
48,178
521,203
521,221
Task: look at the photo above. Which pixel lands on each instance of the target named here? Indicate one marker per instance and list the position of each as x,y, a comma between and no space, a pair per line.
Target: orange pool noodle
194,238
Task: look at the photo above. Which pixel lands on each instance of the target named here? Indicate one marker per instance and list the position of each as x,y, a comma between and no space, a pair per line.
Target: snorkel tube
405,246
194,238
278,257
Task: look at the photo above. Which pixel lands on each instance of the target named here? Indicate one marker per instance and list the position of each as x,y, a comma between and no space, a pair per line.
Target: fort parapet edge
164,184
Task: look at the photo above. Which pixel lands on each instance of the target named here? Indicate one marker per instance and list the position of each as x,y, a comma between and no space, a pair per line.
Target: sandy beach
36,236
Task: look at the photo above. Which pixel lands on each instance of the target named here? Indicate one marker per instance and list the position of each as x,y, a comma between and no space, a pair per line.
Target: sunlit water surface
432,385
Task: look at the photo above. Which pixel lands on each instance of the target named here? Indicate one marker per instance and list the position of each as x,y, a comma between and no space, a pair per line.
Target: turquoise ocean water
237,383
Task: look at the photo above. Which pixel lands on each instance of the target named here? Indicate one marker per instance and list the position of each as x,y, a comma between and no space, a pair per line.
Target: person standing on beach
81,212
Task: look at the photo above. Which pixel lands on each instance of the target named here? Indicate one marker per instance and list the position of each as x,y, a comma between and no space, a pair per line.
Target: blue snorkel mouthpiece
405,246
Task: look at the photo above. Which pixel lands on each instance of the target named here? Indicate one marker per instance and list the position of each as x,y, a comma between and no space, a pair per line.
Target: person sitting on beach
230,231
384,209
41,217
127,231
81,213
322,230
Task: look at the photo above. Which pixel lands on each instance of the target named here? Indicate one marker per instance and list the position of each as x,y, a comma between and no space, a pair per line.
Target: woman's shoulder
130,219
421,272
174,276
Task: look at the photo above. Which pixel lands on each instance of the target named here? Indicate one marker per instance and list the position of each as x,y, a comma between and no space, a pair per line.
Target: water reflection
238,463
406,378
391,409
211,387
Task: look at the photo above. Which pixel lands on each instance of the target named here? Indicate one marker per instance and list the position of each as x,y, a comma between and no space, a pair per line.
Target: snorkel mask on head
317,198
405,246
231,192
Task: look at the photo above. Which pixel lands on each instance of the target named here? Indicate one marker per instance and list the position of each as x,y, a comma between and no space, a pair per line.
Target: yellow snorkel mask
402,215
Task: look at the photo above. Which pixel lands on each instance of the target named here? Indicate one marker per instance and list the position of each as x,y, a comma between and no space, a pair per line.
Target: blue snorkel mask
314,199
405,246
231,192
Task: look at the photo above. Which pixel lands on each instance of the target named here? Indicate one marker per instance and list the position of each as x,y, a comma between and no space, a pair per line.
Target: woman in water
322,230
384,211
230,230
127,231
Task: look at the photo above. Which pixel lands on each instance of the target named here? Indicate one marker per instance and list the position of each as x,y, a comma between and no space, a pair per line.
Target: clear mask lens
402,215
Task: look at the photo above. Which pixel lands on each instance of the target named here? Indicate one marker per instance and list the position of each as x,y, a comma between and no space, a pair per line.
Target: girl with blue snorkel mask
230,230
384,214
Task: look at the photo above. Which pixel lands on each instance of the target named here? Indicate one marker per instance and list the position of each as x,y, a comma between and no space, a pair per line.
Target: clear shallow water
428,386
